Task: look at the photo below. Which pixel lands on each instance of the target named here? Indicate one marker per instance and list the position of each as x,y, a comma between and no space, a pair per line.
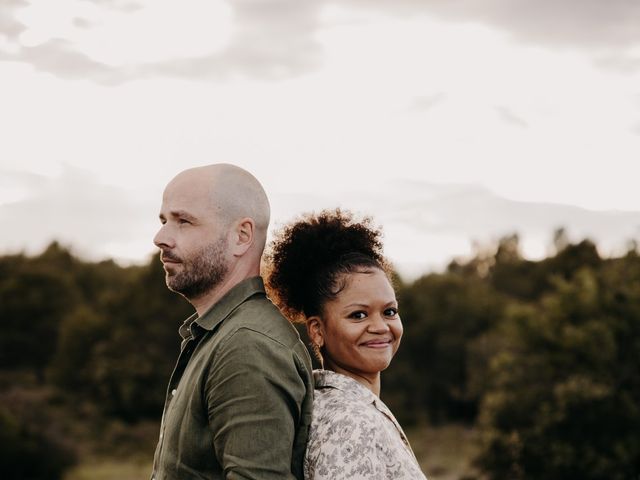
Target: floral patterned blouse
354,435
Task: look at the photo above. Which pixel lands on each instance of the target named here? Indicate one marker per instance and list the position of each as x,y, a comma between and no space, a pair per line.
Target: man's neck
209,299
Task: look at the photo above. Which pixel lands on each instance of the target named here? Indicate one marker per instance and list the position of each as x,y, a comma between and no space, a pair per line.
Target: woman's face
361,328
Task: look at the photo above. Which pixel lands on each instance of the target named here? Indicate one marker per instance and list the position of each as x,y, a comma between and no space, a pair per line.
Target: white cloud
154,31
77,209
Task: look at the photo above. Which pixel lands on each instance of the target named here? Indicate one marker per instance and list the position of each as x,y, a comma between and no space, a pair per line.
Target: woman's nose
378,324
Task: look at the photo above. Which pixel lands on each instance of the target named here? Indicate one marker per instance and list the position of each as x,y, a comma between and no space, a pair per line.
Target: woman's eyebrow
351,305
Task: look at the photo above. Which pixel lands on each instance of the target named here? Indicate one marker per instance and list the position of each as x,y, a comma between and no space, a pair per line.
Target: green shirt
240,397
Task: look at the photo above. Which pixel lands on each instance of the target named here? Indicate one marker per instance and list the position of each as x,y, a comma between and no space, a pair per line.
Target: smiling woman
328,271
359,330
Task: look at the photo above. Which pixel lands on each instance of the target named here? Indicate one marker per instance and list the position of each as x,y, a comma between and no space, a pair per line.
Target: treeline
543,357
80,343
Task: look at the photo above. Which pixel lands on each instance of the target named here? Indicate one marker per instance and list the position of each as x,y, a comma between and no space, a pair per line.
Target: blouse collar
354,389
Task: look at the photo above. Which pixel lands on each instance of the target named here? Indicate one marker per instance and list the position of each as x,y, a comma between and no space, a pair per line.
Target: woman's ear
315,330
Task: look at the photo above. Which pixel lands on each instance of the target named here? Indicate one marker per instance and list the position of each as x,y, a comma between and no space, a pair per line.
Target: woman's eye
359,315
391,312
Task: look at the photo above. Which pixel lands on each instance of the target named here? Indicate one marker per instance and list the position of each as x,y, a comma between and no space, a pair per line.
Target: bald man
239,400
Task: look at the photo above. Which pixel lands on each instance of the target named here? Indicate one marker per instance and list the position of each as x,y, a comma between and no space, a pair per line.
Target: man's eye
183,221
359,315
391,312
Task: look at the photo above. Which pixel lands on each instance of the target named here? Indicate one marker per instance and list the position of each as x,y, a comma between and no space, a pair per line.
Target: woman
328,271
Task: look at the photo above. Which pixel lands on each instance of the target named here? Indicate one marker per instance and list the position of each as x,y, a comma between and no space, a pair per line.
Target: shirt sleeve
254,395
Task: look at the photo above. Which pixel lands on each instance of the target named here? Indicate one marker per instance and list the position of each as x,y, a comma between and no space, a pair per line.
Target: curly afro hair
308,259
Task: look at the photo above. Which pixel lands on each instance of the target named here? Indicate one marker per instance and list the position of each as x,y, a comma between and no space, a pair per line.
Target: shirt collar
330,379
222,308
353,388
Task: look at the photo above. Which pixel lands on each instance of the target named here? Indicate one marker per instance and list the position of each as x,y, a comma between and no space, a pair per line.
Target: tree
564,397
33,300
29,447
130,364
442,315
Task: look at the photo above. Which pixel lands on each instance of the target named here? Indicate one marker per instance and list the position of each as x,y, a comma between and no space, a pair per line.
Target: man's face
192,241
194,274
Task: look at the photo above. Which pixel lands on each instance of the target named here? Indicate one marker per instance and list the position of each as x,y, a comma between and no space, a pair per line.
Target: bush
29,452
564,401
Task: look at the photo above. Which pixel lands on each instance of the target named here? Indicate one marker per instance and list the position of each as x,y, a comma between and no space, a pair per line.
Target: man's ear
243,236
315,330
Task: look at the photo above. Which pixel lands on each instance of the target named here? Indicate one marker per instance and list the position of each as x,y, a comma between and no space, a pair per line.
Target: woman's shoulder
353,435
347,440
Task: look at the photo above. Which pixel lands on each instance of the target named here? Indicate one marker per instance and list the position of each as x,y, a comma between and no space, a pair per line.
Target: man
239,400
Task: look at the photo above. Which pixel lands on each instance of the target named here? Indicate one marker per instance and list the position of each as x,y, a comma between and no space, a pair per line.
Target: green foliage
564,400
80,331
442,315
30,448
543,356
34,296
132,362
106,333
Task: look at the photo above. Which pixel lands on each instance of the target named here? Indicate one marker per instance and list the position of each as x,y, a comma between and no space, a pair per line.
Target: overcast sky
449,122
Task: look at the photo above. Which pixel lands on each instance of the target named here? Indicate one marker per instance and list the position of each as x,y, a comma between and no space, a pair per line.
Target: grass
110,469
444,452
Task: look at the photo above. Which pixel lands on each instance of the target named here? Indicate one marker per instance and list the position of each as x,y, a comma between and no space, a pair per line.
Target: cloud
75,208
426,225
625,62
510,118
581,23
267,40
277,38
272,39
9,26
475,210
61,59
427,102
608,30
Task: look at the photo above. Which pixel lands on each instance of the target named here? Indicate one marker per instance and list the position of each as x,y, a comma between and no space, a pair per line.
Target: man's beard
201,272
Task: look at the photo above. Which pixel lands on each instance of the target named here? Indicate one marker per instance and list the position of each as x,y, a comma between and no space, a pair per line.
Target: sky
452,123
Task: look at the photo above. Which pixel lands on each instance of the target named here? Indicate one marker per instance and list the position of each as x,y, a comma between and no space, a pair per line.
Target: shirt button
173,392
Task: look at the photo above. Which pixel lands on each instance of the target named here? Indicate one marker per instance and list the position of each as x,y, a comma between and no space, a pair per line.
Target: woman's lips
377,343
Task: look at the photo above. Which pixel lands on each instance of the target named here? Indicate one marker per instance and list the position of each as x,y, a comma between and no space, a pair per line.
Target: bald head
232,193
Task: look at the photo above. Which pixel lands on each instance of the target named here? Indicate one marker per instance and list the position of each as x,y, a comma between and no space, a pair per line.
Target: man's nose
163,239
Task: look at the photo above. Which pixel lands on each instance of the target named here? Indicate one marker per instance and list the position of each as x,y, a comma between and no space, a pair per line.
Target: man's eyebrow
178,214
182,214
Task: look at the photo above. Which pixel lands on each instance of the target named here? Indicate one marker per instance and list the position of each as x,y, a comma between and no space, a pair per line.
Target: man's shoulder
257,314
